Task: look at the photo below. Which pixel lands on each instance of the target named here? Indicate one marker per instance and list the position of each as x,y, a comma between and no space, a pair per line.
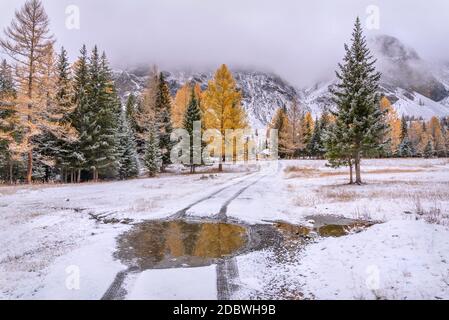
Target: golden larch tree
181,101
222,105
27,42
281,122
394,123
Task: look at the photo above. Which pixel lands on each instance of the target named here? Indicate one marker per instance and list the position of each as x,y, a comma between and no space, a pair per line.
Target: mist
302,41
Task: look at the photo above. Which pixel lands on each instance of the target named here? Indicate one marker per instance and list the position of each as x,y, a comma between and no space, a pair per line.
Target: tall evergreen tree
429,150
9,131
62,143
153,158
360,122
404,128
127,151
131,109
106,107
192,114
7,88
80,117
315,147
163,119
406,149
97,111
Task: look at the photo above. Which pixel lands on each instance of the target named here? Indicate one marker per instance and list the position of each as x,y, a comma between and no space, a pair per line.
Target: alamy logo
72,21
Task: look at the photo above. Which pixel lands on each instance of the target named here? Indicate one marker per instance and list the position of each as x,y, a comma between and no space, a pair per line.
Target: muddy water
180,244
183,244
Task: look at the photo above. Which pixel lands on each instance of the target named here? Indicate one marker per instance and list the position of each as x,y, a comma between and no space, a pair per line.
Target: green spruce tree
81,119
360,122
429,151
127,152
104,111
131,107
192,114
64,106
163,120
9,132
153,158
315,147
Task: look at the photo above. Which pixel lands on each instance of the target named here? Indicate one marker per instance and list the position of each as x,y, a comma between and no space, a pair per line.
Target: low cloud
300,40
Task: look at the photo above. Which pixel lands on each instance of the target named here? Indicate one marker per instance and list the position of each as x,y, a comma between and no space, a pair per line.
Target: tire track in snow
222,214
115,290
227,269
227,276
183,213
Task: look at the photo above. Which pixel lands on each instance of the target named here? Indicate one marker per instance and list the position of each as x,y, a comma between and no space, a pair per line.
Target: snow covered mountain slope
414,87
262,92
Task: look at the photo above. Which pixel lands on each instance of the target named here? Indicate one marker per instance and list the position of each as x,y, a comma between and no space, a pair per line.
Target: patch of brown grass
333,173
340,195
381,171
301,172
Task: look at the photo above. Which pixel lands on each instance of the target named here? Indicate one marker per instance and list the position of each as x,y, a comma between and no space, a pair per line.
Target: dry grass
339,195
306,201
301,171
382,171
432,214
307,172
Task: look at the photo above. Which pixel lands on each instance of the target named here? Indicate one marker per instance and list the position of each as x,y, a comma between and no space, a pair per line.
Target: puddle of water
180,244
183,244
335,226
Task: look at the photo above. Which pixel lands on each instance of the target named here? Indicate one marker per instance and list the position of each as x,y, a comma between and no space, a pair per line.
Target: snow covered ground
59,241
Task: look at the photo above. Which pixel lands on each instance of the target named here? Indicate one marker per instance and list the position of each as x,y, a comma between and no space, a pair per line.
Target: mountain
415,87
262,92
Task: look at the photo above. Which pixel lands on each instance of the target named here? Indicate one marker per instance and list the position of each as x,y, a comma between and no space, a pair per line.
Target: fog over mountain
301,41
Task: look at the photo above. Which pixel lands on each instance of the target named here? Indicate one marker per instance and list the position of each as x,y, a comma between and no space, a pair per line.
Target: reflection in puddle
334,226
186,244
177,244
183,244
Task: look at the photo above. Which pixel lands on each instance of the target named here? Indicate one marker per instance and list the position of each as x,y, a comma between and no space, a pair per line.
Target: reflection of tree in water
190,232
149,244
218,240
175,243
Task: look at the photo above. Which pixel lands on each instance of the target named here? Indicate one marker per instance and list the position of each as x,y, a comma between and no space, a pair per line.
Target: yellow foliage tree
181,101
416,135
307,125
281,122
222,105
438,138
394,123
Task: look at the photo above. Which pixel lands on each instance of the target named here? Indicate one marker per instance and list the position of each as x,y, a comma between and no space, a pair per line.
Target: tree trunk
358,175
78,178
10,173
30,167
351,177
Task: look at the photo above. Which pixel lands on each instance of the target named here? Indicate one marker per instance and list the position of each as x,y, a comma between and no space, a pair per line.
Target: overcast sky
299,40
